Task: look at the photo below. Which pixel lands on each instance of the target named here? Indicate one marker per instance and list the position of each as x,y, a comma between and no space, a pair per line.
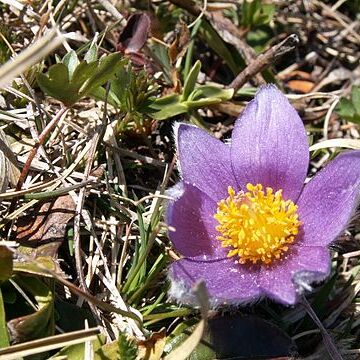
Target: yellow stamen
257,225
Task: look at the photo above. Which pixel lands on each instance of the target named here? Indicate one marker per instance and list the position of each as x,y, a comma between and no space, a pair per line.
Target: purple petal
329,200
269,144
192,216
282,281
226,281
204,161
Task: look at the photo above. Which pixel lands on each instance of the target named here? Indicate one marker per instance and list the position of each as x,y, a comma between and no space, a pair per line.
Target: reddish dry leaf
296,74
135,33
181,42
153,347
47,223
301,86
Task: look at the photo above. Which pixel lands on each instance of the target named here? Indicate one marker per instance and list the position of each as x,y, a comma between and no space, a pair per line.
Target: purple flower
242,218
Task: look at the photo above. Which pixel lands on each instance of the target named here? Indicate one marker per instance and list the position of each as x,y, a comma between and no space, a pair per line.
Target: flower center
258,225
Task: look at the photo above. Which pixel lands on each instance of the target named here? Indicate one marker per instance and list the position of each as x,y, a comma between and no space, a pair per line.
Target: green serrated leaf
190,81
85,78
82,74
56,84
106,70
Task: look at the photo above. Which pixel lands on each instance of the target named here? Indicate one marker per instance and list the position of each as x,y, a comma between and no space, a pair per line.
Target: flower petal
329,200
192,216
284,280
204,161
269,144
226,281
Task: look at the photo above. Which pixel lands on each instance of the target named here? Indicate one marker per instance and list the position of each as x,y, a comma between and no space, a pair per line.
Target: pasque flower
242,218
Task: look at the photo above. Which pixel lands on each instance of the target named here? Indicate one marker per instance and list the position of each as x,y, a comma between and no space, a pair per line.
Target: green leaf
92,53
209,91
217,44
208,95
56,83
190,81
255,13
160,54
167,107
6,264
346,109
350,109
71,61
172,105
82,73
100,94
105,71
86,77
121,87
355,98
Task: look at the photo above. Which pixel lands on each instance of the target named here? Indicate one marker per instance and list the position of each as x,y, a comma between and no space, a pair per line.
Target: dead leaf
181,42
301,86
296,74
47,223
135,33
153,347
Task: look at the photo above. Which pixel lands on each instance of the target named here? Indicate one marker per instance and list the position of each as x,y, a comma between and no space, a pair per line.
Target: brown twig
264,60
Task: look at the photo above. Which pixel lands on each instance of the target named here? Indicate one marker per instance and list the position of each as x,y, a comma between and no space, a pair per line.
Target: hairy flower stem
328,341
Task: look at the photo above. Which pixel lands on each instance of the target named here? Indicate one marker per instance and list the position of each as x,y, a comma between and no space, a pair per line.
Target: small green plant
131,92
72,79
255,13
192,97
127,348
349,109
